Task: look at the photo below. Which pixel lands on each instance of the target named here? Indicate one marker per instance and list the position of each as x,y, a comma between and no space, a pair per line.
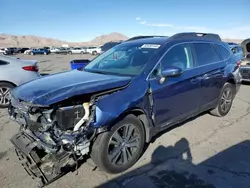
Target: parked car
14,72
22,50
114,106
54,50
93,50
108,46
39,51
237,51
5,51
78,50
63,50
27,52
8,51
245,68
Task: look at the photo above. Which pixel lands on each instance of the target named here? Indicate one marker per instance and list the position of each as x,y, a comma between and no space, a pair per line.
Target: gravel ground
205,152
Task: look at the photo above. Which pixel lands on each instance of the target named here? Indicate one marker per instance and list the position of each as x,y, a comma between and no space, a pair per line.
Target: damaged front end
51,140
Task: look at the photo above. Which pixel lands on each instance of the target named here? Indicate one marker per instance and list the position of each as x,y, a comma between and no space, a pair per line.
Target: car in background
14,72
63,50
4,51
245,68
8,51
22,50
39,51
27,52
237,51
108,46
93,50
112,108
78,50
54,50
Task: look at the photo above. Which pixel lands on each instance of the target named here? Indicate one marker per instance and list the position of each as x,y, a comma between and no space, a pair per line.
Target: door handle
205,77
194,81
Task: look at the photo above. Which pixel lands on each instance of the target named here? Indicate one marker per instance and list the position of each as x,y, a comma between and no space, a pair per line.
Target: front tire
120,148
225,101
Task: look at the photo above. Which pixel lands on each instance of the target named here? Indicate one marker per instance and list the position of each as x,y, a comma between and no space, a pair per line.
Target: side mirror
171,72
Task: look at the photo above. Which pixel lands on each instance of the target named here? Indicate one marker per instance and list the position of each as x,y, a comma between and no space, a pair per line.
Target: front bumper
46,167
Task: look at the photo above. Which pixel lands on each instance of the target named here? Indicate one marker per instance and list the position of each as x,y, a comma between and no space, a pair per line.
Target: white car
2,51
54,50
78,50
94,50
14,72
27,52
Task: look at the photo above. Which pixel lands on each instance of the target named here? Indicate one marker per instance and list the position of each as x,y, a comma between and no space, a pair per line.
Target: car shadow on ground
173,167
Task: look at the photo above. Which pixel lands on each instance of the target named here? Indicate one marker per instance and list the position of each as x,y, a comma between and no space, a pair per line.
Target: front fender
111,106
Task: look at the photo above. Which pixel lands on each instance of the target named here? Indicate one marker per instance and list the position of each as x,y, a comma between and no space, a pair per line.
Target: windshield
127,60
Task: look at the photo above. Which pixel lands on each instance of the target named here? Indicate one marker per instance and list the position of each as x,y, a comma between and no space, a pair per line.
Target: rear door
211,69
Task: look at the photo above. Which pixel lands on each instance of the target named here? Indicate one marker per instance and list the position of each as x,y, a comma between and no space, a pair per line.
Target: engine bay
51,139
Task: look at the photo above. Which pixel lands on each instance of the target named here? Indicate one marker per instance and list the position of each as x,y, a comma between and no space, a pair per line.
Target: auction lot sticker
155,46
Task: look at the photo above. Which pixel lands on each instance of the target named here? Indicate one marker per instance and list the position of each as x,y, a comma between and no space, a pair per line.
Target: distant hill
35,41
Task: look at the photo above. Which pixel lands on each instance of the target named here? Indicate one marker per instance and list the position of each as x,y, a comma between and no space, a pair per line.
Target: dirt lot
205,152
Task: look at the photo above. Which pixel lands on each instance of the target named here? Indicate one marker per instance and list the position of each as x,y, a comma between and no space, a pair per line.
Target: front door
177,97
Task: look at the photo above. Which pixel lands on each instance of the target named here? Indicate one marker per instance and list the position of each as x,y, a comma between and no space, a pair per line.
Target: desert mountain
35,41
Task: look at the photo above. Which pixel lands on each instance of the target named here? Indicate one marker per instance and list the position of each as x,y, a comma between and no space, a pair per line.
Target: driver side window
179,56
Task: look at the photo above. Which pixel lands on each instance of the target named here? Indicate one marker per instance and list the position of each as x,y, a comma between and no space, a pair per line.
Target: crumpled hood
54,88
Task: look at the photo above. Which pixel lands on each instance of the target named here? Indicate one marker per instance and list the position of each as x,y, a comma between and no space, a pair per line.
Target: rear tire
120,148
4,94
225,101
94,53
45,53
32,53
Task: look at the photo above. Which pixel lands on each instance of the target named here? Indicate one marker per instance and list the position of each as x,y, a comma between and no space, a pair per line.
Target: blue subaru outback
119,101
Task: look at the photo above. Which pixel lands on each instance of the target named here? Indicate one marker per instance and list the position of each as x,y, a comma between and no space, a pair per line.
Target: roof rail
142,37
211,36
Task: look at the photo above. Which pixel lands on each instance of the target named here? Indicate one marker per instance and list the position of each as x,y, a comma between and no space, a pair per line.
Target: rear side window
3,63
205,54
225,54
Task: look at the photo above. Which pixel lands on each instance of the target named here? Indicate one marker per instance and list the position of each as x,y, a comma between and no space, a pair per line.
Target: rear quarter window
205,54
223,51
3,63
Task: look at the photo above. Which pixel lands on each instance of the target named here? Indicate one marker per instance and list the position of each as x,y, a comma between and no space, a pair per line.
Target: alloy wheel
4,95
123,145
226,100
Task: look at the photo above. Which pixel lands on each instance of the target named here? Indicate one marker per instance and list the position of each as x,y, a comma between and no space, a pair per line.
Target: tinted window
225,54
205,53
3,63
179,56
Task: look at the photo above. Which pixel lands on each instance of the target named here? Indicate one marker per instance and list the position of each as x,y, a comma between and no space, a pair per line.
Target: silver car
14,72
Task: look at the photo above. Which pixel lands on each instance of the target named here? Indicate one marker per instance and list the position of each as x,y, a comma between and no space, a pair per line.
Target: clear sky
82,20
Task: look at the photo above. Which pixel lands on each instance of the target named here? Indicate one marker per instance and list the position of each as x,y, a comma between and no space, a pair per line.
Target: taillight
238,63
31,68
